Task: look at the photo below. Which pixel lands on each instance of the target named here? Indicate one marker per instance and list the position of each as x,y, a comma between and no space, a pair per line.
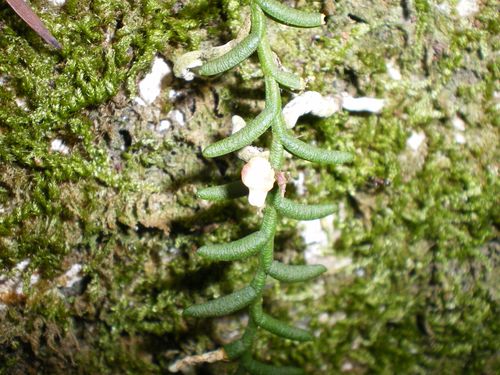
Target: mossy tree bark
98,239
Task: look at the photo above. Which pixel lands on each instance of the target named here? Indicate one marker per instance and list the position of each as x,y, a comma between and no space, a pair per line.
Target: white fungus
393,71
21,103
21,266
164,125
324,106
459,138
58,145
309,102
72,276
415,140
444,8
459,126
259,177
173,95
496,97
14,285
57,3
458,123
187,74
177,117
466,8
363,104
150,85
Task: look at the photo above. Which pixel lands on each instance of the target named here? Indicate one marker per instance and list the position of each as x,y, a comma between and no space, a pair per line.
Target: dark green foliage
60,209
258,368
236,250
290,16
238,53
291,274
223,305
261,242
232,190
282,329
298,211
253,129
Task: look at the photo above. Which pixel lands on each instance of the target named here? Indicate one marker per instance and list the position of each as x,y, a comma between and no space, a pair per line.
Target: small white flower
258,176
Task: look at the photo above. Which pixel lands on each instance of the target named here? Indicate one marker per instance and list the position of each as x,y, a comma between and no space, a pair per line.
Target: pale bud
258,176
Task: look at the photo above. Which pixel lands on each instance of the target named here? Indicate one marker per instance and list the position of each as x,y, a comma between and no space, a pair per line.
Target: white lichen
150,85
57,3
466,8
393,71
184,64
363,104
312,102
318,235
299,183
57,145
309,102
415,140
72,276
164,126
186,364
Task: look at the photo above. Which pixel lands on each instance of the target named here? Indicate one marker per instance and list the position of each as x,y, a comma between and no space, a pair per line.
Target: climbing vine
261,243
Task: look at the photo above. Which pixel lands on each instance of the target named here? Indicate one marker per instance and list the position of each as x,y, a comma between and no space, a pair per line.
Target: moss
410,299
88,206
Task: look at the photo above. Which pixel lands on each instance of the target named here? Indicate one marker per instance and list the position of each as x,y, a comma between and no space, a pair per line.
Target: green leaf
258,368
231,190
235,250
282,329
223,305
246,246
299,211
314,154
237,348
254,129
289,80
241,51
269,67
295,273
232,58
291,16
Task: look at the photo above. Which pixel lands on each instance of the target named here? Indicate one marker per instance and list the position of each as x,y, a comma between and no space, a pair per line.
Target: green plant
261,243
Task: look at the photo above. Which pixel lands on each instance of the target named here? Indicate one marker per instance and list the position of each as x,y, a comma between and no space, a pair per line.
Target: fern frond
224,305
292,274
